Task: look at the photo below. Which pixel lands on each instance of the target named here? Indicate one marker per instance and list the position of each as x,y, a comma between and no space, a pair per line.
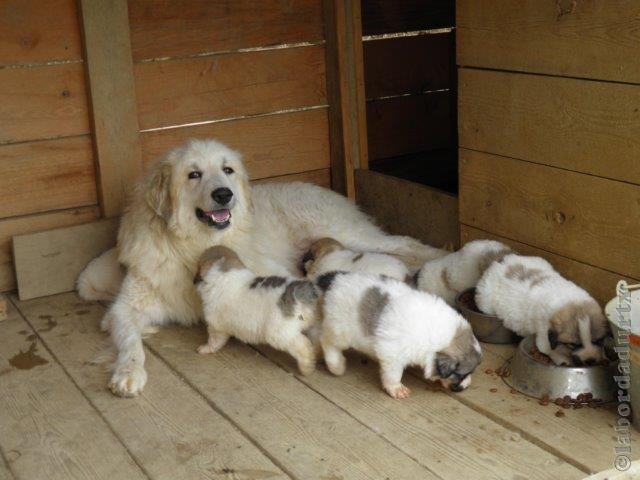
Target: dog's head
580,324
200,185
217,259
317,251
455,364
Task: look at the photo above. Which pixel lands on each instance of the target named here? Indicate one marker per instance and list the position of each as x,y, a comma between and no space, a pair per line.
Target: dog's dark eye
227,170
195,174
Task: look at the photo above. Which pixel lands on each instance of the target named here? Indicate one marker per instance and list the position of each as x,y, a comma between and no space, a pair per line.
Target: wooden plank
406,208
5,473
35,223
231,85
587,38
307,435
598,282
179,28
577,128
28,36
575,215
390,16
345,91
171,431
402,125
42,102
271,145
318,177
49,262
47,427
395,66
113,103
422,425
47,175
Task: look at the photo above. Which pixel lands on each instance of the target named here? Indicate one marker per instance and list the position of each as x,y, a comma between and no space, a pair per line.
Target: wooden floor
244,413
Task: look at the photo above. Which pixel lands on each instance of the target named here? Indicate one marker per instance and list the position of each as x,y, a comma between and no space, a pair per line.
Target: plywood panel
42,102
388,16
28,35
162,28
395,66
585,38
590,127
271,145
318,177
402,125
587,218
223,86
47,175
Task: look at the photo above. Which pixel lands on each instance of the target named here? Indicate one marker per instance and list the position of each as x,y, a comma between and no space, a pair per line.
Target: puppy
328,255
450,275
532,298
272,310
398,326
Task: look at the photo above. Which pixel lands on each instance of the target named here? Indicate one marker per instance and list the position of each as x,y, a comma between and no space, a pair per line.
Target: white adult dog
196,197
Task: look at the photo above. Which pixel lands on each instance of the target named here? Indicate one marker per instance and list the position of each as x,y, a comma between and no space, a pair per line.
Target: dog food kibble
581,401
539,357
544,400
488,371
468,300
493,390
560,414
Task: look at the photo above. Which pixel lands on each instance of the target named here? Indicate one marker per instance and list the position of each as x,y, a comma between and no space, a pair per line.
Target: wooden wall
549,132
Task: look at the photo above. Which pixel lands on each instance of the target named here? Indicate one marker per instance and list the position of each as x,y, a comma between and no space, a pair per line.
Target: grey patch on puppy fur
565,321
524,274
298,291
357,257
492,256
268,282
373,303
230,260
445,280
459,359
325,280
415,278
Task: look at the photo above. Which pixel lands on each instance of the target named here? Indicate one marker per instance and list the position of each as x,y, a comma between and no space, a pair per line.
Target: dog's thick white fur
398,326
328,255
273,310
532,298
454,273
173,218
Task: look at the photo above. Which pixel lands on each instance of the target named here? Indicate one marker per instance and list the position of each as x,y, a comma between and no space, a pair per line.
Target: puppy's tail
101,278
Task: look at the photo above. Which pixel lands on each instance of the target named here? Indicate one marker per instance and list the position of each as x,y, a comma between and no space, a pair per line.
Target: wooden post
109,68
345,91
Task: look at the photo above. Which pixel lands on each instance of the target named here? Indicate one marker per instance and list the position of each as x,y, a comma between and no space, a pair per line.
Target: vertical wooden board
190,90
321,178
161,28
5,473
42,102
170,430
589,127
47,428
390,16
590,219
406,208
47,175
585,38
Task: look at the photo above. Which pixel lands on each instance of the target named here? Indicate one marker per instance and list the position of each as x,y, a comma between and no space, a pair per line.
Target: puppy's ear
445,365
553,338
158,193
599,326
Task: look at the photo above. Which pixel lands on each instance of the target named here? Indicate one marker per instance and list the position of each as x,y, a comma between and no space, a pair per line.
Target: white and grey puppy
398,326
272,310
532,298
450,275
329,255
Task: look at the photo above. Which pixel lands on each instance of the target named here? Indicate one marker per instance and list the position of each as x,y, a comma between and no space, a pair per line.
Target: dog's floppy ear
158,193
445,365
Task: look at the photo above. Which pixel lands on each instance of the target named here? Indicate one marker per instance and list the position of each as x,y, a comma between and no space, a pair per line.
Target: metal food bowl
539,380
486,328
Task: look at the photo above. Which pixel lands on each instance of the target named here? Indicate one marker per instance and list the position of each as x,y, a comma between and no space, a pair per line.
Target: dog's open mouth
215,218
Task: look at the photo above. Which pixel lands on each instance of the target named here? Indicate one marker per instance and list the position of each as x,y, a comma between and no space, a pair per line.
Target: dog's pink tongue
220,215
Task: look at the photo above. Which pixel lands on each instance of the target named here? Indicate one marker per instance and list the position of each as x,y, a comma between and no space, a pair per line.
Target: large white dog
196,197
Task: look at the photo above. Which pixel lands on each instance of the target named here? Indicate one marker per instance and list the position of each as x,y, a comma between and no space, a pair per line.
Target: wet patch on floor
28,359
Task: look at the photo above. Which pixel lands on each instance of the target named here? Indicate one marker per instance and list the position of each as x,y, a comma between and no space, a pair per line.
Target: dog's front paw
128,381
206,349
399,392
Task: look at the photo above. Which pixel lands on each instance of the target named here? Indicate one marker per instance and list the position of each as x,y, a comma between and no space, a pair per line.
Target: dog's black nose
222,195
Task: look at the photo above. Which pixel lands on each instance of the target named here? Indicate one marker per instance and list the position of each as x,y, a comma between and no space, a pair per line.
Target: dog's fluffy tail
102,277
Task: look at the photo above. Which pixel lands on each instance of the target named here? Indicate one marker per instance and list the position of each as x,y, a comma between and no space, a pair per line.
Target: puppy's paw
128,381
398,392
561,355
307,367
337,367
205,349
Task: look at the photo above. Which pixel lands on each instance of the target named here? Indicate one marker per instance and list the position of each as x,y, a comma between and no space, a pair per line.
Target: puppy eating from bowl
398,326
273,310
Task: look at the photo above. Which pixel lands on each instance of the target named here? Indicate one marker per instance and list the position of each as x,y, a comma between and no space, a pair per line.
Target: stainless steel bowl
536,379
486,328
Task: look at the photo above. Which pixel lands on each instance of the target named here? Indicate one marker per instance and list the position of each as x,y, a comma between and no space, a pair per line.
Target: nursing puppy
328,255
398,326
272,310
532,298
454,273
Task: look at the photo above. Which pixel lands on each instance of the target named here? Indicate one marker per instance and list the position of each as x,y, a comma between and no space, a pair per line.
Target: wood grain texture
390,16
585,126
113,103
395,66
170,431
589,219
402,125
42,102
46,175
35,223
231,85
271,145
601,284
47,428
587,38
321,178
162,28
28,35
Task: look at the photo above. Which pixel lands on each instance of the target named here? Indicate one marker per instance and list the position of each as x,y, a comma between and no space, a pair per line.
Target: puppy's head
219,259
455,364
317,251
